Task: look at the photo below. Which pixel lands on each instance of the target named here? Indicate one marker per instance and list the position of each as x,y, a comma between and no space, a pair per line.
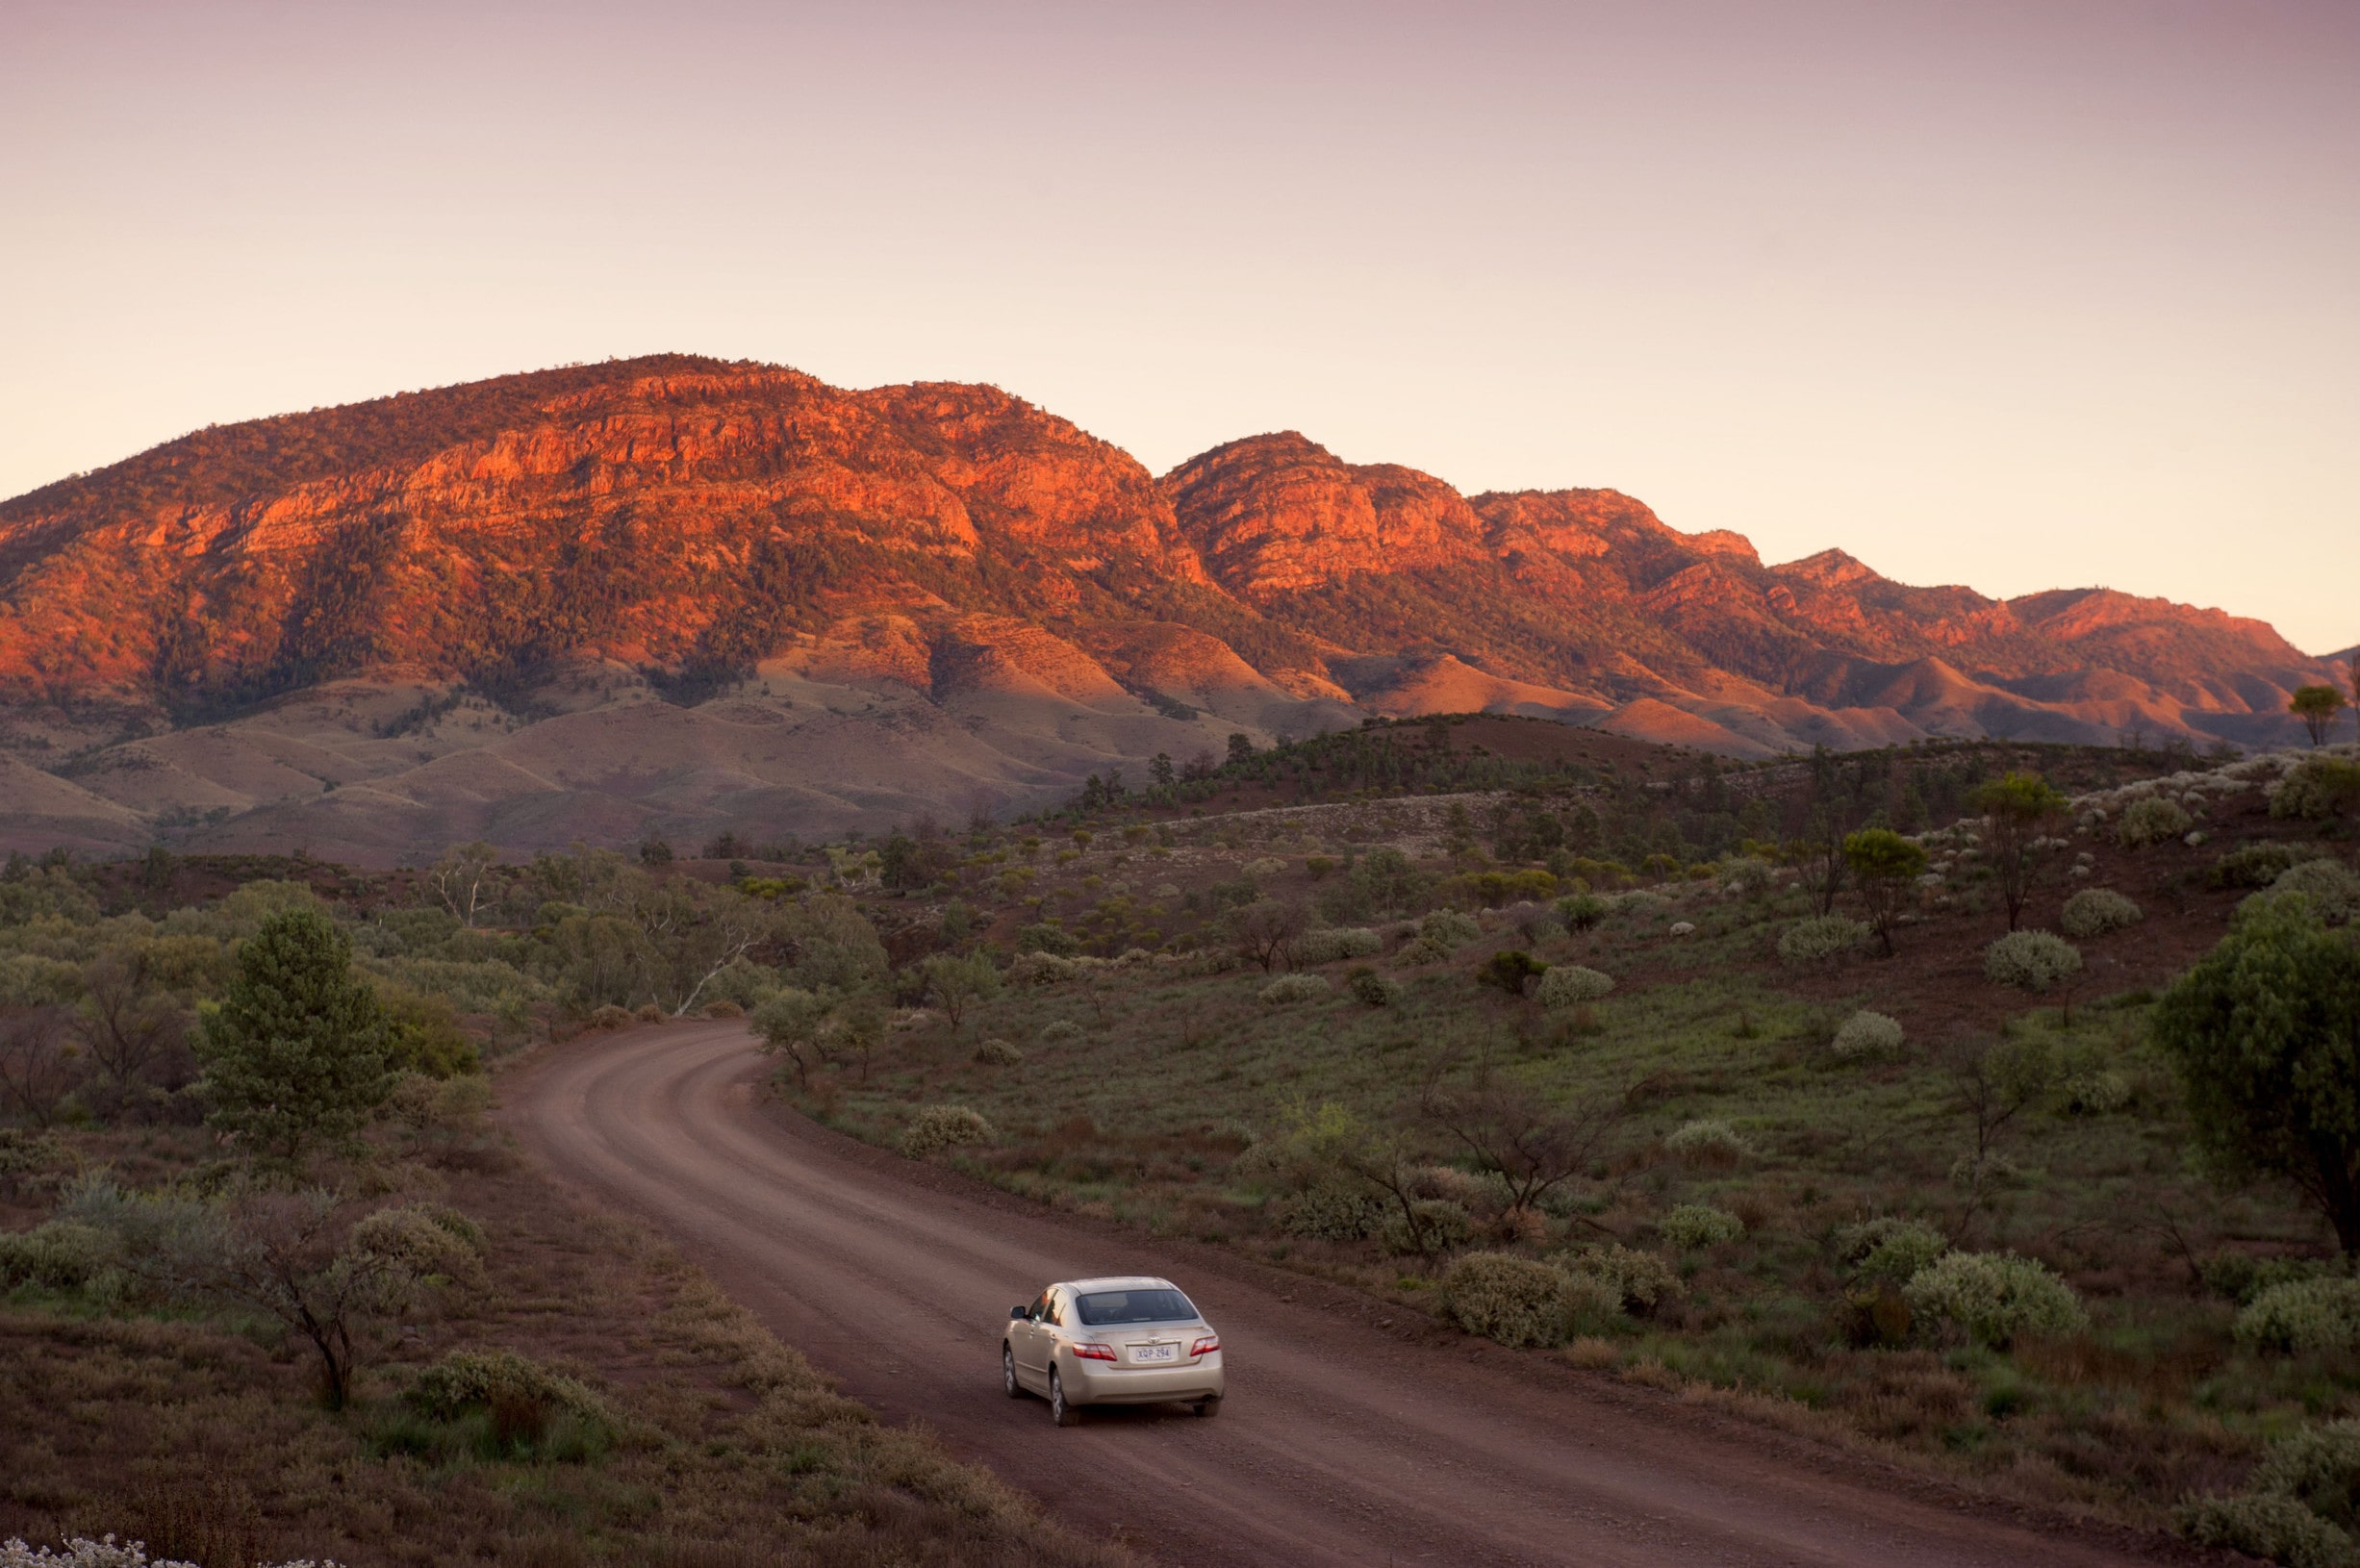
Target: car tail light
1094,1352
1204,1346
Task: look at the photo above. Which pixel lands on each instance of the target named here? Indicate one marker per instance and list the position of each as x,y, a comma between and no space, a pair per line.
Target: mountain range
677,594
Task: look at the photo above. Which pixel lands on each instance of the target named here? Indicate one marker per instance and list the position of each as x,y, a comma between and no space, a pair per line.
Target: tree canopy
296,1051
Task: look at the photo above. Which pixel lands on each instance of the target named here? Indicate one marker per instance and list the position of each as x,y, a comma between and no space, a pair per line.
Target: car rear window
1103,1308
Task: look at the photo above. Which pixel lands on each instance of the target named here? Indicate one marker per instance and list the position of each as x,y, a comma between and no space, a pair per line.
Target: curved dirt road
1342,1442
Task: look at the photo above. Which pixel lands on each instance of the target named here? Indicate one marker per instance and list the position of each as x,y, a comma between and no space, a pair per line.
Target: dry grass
203,1437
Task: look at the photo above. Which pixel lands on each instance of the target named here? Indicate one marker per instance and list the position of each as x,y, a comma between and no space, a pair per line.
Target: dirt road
1348,1438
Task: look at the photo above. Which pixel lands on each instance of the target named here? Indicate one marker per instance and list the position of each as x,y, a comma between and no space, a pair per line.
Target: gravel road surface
1353,1433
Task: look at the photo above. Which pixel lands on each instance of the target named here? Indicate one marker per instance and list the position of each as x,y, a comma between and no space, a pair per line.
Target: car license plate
1154,1352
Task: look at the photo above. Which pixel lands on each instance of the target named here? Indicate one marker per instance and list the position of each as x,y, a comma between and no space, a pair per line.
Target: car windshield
1099,1309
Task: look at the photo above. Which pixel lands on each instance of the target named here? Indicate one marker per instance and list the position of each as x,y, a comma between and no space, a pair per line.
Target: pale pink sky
2016,294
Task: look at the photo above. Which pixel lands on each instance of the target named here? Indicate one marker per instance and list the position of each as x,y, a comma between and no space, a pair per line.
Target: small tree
2317,706
1884,865
789,1022
2265,1034
462,881
1991,1083
1266,929
296,1050
129,1025
2019,809
956,984
1532,1147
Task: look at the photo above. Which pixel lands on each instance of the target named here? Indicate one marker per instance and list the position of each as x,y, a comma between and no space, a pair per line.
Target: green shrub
1693,1225
2096,911
2153,821
2099,1092
1042,937
2319,1467
58,1255
425,1240
1449,929
1889,1249
1336,944
1866,1035
1512,1299
998,1053
2317,788
1569,985
1816,941
2331,886
1638,1282
2258,864
1994,1296
504,1382
1288,990
2241,1276
1424,950
2302,1317
938,1128
2030,960
1372,989
1582,911
1063,1031
1706,1138
1442,1223
1510,968
610,1017
1331,1211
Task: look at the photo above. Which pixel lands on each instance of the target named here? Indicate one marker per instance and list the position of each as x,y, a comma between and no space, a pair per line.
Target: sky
2021,296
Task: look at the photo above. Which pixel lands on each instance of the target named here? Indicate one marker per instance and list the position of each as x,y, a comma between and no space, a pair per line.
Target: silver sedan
1123,1341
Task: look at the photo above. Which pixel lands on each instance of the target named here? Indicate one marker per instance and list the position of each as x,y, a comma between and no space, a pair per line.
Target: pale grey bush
2302,1316
1266,868
1062,1033
1041,968
1746,875
1570,985
1515,1301
2099,1092
81,1552
1638,1280
2267,1525
1707,1137
1864,1035
1288,990
1818,940
2153,821
1450,929
1424,950
1993,1296
1337,942
938,1128
1890,1247
1331,1211
2299,1506
2030,960
2096,911
998,1053
428,1241
1691,1225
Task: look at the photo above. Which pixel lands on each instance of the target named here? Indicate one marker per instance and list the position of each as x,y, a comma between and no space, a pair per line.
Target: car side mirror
1015,1313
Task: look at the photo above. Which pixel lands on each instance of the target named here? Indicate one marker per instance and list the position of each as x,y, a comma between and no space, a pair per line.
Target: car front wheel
1060,1412
1007,1373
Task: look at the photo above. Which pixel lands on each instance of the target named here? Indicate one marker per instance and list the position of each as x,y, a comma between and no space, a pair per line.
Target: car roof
1120,1281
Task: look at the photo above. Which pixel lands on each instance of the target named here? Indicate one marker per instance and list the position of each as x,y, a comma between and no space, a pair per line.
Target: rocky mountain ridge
686,593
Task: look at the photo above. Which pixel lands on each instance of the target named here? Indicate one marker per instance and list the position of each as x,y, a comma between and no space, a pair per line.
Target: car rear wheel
1208,1408
1007,1373
1060,1412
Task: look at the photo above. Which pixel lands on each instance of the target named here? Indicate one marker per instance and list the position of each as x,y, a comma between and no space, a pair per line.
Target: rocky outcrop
997,600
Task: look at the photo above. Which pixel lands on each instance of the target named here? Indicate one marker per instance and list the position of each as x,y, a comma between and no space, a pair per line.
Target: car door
1028,1341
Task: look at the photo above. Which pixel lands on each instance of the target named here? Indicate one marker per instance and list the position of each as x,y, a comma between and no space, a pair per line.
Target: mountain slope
937,596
